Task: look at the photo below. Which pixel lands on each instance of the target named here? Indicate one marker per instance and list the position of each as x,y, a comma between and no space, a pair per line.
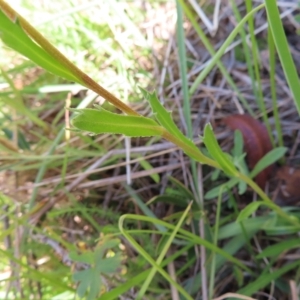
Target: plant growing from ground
18,34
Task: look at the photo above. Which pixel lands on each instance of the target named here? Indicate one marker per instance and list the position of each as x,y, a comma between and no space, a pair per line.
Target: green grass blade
264,279
258,92
272,58
222,49
164,251
283,50
189,237
279,248
183,71
136,280
185,89
212,52
246,49
215,241
145,254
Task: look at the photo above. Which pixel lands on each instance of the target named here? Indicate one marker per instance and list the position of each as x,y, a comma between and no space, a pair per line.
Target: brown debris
288,191
257,142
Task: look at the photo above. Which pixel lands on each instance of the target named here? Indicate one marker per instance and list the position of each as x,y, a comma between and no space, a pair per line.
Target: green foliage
90,280
165,118
217,154
248,210
234,228
283,50
14,36
270,158
102,121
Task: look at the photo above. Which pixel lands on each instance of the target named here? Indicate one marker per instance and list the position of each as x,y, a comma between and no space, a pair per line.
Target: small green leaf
238,143
90,280
165,118
213,193
216,152
248,210
268,159
242,187
215,174
147,166
83,277
239,276
102,121
14,37
109,265
182,189
86,257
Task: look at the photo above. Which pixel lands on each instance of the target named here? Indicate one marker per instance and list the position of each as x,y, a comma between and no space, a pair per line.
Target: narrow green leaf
102,121
14,37
283,50
268,159
277,249
165,118
162,254
213,193
248,210
216,152
257,223
83,277
182,189
264,279
147,166
238,148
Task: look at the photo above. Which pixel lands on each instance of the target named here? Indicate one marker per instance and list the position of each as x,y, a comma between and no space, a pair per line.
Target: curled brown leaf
289,191
257,142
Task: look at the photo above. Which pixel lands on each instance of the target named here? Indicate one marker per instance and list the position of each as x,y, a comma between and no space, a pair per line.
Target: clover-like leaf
90,280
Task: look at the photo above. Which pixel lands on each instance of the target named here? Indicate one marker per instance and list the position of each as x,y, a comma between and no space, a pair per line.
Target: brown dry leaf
289,191
257,142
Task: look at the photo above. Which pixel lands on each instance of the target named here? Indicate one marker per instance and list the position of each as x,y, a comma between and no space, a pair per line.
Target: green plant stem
267,200
272,52
80,76
258,92
190,151
198,156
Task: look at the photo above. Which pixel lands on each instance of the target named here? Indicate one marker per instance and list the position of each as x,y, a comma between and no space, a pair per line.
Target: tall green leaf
283,50
14,37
